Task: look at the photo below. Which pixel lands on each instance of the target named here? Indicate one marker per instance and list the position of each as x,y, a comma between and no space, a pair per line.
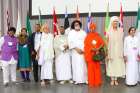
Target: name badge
10,44
25,46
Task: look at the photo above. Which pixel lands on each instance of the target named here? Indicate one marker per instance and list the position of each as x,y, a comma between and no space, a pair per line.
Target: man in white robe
62,57
131,49
76,39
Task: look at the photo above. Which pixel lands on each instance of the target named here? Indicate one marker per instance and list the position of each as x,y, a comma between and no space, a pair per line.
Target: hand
79,50
138,58
33,53
125,59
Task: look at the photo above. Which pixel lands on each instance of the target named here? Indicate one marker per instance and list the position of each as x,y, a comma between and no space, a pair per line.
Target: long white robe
46,55
131,52
62,58
79,68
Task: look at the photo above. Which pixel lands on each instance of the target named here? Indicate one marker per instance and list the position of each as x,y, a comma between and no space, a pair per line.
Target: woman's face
77,26
23,32
132,32
46,29
115,24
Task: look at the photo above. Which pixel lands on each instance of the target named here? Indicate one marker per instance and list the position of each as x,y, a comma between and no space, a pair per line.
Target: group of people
71,54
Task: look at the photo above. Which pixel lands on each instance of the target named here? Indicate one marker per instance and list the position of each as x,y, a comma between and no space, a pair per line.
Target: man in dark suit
35,40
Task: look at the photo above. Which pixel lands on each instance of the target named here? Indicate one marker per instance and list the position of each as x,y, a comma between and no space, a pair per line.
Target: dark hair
61,26
76,21
12,29
38,24
24,29
131,29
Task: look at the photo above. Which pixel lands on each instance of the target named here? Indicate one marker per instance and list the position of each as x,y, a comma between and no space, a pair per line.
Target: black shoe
6,84
28,80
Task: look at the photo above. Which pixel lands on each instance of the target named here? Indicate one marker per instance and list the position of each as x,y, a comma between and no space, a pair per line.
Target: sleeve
125,47
1,42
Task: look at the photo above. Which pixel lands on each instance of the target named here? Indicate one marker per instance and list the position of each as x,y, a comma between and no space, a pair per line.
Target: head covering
92,26
113,18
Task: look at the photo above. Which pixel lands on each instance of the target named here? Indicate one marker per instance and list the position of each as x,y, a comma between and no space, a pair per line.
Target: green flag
138,19
28,25
107,19
40,17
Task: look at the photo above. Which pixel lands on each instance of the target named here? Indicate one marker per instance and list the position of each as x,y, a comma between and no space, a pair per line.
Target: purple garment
9,48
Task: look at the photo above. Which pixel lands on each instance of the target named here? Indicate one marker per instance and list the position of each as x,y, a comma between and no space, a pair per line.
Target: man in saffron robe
92,44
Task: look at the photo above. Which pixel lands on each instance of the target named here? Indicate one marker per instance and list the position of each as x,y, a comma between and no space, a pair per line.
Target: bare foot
112,83
116,83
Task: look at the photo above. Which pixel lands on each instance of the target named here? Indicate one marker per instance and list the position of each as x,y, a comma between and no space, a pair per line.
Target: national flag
28,25
121,16
40,17
18,29
107,20
138,19
55,31
89,20
66,22
8,20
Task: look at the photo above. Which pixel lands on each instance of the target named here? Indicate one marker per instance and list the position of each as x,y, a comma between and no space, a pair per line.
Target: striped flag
138,19
121,16
77,13
89,20
8,19
55,31
18,29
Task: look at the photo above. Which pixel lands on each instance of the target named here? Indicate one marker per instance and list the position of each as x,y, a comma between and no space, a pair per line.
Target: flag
18,29
55,31
107,20
8,20
66,21
138,19
40,18
89,20
77,14
121,16
28,25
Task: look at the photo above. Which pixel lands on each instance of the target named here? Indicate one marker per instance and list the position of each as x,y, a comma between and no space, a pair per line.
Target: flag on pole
28,25
138,19
8,19
18,28
89,20
107,20
40,18
55,23
77,13
66,22
121,16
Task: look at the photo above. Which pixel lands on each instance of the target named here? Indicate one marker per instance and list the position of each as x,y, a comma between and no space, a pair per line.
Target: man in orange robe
92,44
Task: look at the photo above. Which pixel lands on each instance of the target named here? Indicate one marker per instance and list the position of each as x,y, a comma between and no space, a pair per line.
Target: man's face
11,33
37,28
62,31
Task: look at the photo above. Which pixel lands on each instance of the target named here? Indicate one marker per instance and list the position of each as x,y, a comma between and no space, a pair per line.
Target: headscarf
92,26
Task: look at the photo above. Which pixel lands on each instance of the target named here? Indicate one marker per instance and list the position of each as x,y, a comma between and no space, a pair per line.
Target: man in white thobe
76,39
131,48
62,57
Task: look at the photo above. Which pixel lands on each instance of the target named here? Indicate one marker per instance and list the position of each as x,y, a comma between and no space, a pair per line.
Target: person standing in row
76,39
115,65
93,43
35,41
45,55
62,57
131,56
24,62
9,55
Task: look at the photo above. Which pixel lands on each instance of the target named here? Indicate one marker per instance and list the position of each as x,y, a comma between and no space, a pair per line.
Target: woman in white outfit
131,48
